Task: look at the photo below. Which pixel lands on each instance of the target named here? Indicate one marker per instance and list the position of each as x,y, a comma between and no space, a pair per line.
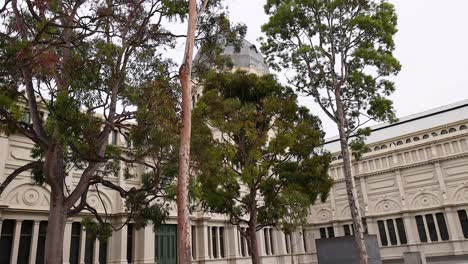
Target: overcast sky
431,44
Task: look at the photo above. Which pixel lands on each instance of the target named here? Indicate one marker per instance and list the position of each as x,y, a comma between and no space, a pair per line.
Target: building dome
247,57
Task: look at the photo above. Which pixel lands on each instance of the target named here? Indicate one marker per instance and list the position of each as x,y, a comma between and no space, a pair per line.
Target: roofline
411,118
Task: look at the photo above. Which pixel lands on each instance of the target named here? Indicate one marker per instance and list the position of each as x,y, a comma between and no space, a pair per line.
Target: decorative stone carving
425,199
461,193
31,197
386,205
28,195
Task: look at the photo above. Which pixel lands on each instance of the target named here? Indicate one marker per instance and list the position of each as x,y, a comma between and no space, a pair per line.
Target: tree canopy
341,53
257,151
87,72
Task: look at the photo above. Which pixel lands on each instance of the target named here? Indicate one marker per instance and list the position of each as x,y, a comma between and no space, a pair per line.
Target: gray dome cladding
247,56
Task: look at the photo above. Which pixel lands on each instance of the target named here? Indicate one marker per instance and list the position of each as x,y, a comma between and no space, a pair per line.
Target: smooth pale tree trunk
349,180
183,224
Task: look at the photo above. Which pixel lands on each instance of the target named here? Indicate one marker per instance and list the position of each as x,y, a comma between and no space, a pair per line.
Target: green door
166,244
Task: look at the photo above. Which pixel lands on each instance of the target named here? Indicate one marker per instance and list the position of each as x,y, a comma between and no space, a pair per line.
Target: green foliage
340,48
259,151
106,75
101,231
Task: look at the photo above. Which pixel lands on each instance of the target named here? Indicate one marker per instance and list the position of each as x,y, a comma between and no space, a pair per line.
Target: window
463,127
25,242
463,222
376,148
427,222
426,136
75,243
443,132
401,231
408,140
348,230
114,135
221,242
243,242
130,243
323,233
392,232
442,226
382,233
41,242
89,247
399,143
268,236
287,239
434,134
331,231
421,228
214,241
194,241
103,251
6,240
451,130
217,246
416,139
304,240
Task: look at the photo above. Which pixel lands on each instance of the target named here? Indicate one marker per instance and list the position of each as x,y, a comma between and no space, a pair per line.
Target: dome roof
247,57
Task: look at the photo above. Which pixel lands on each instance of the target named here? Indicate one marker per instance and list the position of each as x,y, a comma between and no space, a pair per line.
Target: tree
256,152
97,69
185,77
341,52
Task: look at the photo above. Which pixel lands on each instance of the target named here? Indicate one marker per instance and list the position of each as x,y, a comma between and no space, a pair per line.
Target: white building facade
413,188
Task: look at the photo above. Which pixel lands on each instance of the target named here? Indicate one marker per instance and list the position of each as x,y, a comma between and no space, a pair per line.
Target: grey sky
432,46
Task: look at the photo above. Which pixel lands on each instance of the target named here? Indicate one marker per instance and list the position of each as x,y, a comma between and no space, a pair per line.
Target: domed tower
247,58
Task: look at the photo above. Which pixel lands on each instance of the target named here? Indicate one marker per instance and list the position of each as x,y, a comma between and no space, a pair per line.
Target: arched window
376,148
452,129
426,136
462,127
383,147
434,134
416,139
443,132
334,158
399,143
408,140
340,157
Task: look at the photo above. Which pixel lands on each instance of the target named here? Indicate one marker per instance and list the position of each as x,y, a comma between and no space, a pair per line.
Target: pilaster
34,239
66,242
16,240
145,245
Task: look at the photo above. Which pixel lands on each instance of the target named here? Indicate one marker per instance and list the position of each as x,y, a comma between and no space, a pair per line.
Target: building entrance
166,244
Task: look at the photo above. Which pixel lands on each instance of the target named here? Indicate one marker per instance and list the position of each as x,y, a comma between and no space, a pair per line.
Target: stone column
16,240
231,238
411,231
66,242
145,245
96,251
261,243
202,241
455,232
82,244
34,238
118,246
